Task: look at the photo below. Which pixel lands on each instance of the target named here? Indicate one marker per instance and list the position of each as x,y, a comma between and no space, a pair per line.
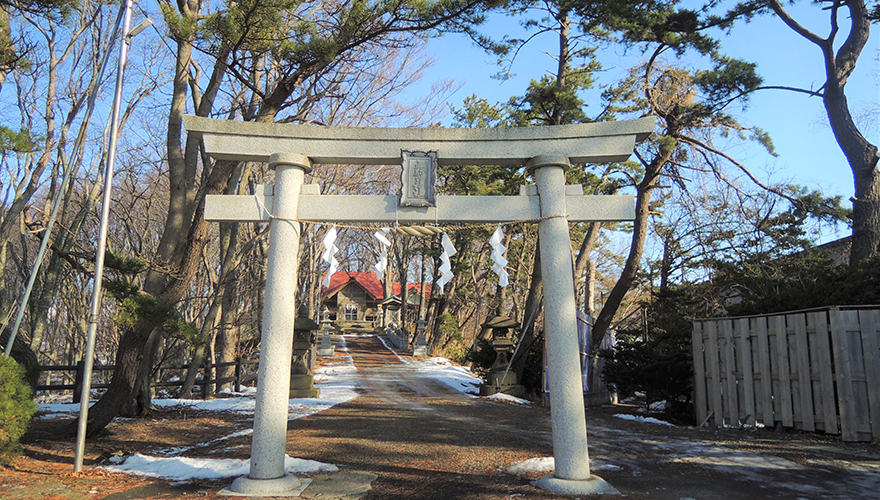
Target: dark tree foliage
802,281
656,359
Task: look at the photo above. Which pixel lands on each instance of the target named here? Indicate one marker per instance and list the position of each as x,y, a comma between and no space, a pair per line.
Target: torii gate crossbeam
545,151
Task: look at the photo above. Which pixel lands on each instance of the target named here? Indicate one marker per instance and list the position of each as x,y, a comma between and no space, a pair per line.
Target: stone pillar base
421,350
302,386
593,485
285,486
327,351
305,393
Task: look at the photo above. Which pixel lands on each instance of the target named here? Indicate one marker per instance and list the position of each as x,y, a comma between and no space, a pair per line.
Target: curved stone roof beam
582,143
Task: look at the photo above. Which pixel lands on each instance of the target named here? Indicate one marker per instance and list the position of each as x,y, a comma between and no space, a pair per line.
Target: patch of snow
183,468
544,464
509,398
244,391
720,456
57,410
457,377
657,406
637,418
601,466
385,343
238,404
548,464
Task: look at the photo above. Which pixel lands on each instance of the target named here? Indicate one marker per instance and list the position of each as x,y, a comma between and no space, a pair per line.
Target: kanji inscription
418,179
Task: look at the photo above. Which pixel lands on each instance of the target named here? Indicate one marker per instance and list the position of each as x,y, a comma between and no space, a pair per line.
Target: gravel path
422,440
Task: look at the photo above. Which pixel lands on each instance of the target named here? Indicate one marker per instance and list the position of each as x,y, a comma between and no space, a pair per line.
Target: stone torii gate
545,151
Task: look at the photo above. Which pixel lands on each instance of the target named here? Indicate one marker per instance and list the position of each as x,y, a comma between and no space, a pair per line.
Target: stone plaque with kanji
418,179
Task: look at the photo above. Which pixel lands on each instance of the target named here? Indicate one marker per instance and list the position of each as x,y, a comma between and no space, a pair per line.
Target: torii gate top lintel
581,143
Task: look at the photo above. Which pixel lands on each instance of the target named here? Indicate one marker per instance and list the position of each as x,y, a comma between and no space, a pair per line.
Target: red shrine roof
411,288
368,281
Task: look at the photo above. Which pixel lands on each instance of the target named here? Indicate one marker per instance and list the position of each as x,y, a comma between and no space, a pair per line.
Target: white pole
268,446
102,246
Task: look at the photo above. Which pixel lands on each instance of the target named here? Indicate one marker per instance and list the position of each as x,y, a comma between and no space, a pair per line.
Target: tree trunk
590,288
227,335
128,360
862,158
133,340
860,154
24,356
198,358
636,249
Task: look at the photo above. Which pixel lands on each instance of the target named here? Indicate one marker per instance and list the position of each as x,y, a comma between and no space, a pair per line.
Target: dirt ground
423,441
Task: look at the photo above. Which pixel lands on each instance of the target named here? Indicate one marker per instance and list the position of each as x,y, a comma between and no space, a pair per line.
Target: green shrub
457,351
454,348
660,366
16,407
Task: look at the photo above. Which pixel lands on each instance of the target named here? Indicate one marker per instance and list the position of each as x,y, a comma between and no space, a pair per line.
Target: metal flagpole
127,34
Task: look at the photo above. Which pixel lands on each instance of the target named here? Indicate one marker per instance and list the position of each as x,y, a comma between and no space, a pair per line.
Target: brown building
353,297
357,297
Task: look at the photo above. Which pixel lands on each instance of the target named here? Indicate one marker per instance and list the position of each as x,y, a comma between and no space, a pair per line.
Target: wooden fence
243,374
813,370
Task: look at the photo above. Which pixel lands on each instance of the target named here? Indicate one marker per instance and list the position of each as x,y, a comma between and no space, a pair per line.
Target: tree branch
743,168
796,26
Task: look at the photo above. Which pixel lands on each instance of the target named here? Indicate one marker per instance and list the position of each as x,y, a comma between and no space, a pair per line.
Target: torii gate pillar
267,476
572,461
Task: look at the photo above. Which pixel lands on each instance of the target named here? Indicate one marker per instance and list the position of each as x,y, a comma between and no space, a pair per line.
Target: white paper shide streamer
384,244
499,262
329,255
445,264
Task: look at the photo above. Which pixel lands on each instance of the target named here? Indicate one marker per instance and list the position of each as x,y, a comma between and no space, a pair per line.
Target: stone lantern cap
303,321
500,321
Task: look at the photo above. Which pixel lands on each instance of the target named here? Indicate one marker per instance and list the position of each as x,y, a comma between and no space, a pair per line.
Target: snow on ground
185,469
543,464
637,418
510,399
548,464
457,377
441,369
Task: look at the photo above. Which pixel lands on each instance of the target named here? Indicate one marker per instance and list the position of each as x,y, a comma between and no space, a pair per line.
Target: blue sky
807,152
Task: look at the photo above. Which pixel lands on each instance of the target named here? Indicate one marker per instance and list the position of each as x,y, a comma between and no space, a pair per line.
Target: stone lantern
500,378
421,348
326,348
301,380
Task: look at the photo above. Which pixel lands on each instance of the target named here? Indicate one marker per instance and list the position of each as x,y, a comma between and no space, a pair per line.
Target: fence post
78,380
238,374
